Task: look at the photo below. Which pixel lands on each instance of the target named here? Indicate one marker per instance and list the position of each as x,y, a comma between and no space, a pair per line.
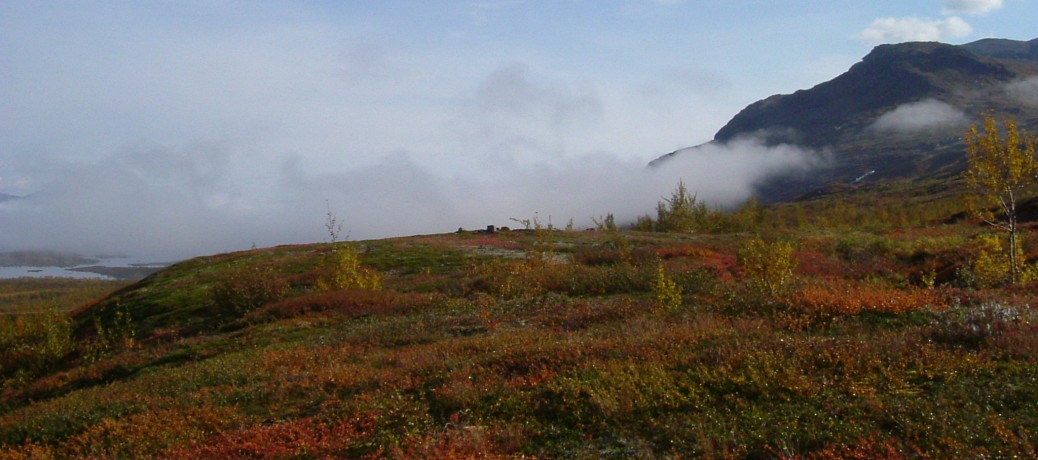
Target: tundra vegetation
858,324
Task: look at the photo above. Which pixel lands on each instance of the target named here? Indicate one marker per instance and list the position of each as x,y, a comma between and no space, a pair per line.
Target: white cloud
910,29
727,173
1025,91
129,202
923,116
971,6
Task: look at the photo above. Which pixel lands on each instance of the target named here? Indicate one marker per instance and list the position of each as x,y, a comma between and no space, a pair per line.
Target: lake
105,268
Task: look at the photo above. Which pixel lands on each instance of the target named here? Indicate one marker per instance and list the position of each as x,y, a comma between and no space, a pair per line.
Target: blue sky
199,126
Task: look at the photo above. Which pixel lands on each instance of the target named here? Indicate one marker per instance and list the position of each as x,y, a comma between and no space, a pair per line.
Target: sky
170,129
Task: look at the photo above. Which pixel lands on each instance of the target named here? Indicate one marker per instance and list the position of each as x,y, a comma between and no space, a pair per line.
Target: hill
900,112
879,339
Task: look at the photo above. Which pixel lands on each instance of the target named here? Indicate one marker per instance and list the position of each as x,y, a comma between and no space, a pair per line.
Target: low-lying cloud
129,202
921,117
1024,91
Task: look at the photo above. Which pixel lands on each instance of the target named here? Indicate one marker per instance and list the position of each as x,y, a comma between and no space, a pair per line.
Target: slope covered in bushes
813,341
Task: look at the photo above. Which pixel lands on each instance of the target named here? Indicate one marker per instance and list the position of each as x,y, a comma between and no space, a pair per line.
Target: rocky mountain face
901,112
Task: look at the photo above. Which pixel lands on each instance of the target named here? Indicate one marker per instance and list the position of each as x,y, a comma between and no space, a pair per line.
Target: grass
477,345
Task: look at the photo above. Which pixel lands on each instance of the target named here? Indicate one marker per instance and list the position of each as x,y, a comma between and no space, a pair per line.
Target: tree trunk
1014,262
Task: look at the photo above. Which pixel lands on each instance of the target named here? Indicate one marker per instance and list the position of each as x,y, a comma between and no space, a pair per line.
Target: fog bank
170,204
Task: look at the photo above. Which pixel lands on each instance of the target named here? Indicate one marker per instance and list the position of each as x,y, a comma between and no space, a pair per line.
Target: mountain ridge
1004,48
839,117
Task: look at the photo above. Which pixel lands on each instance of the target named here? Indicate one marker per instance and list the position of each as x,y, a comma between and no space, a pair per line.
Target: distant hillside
43,259
5,197
901,111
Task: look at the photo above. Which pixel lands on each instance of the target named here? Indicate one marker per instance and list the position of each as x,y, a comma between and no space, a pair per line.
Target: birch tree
1002,166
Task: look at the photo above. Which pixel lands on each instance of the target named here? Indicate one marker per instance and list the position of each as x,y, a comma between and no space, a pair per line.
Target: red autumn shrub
306,437
845,298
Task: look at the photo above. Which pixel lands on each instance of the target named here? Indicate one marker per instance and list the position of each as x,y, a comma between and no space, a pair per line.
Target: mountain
5,197
900,112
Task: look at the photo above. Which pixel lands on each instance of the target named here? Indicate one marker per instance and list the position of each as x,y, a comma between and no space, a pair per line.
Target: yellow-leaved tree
770,267
1002,167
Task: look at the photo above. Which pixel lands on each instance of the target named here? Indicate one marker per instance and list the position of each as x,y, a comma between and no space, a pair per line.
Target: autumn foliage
1002,169
851,298
776,340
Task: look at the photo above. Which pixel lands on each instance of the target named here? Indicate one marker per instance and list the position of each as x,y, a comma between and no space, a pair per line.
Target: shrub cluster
531,277
352,302
769,266
972,326
116,334
667,292
247,289
32,343
342,269
846,298
683,212
991,267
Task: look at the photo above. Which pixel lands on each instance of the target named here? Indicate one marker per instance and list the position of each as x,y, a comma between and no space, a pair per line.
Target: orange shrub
843,298
147,433
306,437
